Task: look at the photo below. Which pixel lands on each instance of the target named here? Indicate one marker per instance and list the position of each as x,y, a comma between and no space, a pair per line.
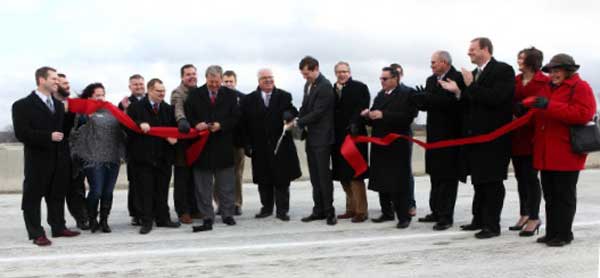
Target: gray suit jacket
317,113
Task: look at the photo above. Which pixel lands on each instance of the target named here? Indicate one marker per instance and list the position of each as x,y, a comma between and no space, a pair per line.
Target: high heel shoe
518,227
525,233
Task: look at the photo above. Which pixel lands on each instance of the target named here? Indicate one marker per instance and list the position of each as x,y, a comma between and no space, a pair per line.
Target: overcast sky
107,41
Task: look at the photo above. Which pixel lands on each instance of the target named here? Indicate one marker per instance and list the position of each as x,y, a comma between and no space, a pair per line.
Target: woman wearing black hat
566,101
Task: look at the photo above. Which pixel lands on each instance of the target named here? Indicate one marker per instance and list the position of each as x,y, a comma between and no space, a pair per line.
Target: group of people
63,148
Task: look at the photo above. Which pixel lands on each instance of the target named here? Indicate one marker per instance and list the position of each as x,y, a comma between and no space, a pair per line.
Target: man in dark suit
215,108
230,81
38,124
392,112
263,113
316,119
352,97
136,86
151,157
76,188
487,105
443,123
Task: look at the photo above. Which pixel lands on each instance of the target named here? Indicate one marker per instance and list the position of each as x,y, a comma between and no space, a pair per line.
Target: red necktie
155,108
213,97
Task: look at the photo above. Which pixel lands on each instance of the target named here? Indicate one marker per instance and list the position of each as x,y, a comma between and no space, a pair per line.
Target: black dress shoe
136,221
229,221
283,217
83,225
470,227
313,217
263,214
168,224
206,226
403,224
428,218
145,229
383,218
442,226
485,233
557,242
238,211
543,239
331,220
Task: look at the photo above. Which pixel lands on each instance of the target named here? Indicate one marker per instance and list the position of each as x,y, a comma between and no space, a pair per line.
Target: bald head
266,83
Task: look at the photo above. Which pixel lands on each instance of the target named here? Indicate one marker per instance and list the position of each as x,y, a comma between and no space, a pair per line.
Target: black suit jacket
146,149
238,132
444,118
262,128
218,151
389,171
317,111
33,124
355,98
132,99
487,105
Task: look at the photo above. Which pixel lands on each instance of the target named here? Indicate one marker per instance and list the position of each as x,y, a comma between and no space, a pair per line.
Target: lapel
203,91
274,101
259,101
486,71
385,100
40,104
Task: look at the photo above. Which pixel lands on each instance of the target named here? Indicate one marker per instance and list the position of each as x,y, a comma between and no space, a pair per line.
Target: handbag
585,138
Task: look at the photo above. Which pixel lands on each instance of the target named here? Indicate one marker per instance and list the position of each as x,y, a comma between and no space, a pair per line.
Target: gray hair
341,63
263,70
444,56
214,70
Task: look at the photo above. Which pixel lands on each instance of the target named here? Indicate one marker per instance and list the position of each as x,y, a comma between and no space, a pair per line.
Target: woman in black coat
263,115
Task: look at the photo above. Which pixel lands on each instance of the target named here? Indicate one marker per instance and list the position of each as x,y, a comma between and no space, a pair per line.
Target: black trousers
275,195
76,196
398,202
528,184
320,177
153,192
487,205
132,201
53,191
184,193
560,194
442,198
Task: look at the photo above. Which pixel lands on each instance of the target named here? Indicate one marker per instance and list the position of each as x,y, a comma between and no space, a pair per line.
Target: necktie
338,90
50,104
155,108
213,98
267,99
477,74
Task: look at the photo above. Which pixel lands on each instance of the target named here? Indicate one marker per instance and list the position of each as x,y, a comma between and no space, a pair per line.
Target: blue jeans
102,178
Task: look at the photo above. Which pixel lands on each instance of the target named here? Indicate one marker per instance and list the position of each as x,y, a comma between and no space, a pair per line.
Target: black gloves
519,109
183,125
540,102
287,116
353,129
420,89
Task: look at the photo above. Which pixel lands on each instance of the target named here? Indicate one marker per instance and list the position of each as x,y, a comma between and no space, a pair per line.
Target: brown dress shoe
359,218
66,233
185,219
346,215
42,241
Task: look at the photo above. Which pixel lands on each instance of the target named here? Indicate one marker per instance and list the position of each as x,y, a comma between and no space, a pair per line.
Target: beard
63,92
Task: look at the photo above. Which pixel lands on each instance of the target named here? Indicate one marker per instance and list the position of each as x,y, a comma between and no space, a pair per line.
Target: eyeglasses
384,78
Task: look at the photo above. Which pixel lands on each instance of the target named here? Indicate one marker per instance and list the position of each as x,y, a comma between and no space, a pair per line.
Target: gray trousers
204,180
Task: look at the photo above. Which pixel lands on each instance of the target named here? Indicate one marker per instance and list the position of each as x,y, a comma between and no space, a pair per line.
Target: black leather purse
585,138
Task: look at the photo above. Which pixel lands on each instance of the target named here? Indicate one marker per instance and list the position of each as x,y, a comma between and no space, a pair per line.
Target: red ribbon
358,163
89,106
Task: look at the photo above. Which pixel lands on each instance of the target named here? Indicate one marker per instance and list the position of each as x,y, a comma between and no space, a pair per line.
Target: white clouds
107,41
